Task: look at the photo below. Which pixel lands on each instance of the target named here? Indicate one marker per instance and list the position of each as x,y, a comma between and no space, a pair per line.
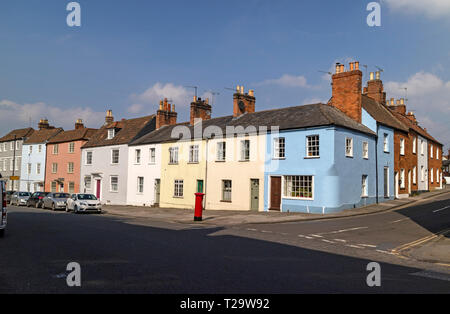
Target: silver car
20,198
55,201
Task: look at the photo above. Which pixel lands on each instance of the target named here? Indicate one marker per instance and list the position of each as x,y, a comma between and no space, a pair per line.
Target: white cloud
151,97
431,8
16,116
286,81
429,98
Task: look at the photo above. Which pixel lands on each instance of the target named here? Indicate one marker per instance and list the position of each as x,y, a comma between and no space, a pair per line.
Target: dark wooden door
275,193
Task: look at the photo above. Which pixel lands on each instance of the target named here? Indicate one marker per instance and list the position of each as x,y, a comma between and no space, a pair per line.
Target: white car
3,213
82,203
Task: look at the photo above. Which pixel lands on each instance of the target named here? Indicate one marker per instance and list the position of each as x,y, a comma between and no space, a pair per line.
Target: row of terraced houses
355,150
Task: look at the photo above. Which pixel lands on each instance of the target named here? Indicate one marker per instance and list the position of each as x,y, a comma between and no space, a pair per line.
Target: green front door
254,195
199,186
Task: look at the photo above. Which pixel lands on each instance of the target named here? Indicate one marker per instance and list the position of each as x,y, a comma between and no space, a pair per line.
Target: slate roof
415,127
19,133
382,114
129,129
72,135
297,117
43,135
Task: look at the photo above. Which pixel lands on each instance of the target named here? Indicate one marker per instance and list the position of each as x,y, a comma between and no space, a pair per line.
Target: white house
422,163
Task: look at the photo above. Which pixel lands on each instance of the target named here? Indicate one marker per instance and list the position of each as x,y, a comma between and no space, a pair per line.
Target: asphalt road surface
120,255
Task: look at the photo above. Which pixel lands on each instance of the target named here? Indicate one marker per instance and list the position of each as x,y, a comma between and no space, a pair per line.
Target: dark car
8,196
36,199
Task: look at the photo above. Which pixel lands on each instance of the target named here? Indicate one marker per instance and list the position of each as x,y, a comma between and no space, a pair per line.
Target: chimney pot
357,65
351,66
338,68
109,117
342,70
371,76
377,75
251,93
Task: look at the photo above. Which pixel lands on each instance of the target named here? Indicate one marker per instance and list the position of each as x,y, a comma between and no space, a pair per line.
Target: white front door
396,185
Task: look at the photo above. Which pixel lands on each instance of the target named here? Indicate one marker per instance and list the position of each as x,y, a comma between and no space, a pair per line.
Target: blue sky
128,54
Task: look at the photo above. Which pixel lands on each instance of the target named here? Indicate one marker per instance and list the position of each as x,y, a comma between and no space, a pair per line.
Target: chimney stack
243,103
79,124
43,124
200,109
346,91
411,117
375,88
166,114
109,117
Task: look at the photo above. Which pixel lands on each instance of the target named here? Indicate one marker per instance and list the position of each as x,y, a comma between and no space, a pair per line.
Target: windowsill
152,163
348,156
114,164
386,152
173,164
279,158
113,191
88,164
193,163
137,164
220,160
179,197
298,198
222,201
366,158
364,196
312,157
244,160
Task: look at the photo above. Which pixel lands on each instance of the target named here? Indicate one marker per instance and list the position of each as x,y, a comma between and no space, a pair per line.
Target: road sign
14,178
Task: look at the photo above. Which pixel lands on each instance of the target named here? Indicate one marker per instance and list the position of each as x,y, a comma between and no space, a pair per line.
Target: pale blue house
32,174
321,161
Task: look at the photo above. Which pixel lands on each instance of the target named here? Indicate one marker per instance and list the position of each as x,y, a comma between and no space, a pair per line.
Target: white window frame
111,134
140,185
432,175
348,148
193,154
364,186
71,148
112,156
88,186
137,156
173,155
286,185
386,143
11,145
152,155
55,167
422,173
402,146
279,148
39,148
30,149
437,153
415,145
111,189
415,175
422,147
221,151
29,168
365,152
431,151
55,149
245,150
178,191
87,163
69,170
313,146
402,179
227,191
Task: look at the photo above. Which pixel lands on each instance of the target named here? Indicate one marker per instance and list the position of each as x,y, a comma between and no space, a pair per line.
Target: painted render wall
239,172
146,169
35,157
422,160
188,172
102,169
6,162
337,179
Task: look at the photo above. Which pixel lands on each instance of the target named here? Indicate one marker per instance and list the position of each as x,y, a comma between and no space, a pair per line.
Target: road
119,255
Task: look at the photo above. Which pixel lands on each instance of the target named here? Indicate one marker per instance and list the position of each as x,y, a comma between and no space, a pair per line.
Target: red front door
99,185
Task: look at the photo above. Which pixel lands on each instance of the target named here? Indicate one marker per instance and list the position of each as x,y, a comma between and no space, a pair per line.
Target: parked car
20,198
8,196
83,203
36,199
55,201
3,211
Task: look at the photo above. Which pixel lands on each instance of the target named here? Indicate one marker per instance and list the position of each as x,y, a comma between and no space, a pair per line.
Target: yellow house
183,169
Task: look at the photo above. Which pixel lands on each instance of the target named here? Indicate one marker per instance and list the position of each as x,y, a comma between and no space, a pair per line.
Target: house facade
105,158
34,152
11,156
63,158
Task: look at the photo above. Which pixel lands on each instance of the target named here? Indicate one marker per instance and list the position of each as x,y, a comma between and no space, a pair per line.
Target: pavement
229,218
118,255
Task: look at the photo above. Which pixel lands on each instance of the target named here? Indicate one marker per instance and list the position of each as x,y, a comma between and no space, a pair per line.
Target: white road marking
316,235
251,229
367,245
346,230
438,210
354,246
385,252
265,231
340,240
306,237
328,241
400,220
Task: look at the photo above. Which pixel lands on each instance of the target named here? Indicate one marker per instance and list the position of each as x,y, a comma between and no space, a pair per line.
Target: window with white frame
279,148
11,145
365,150
54,167
111,134
114,184
422,173
193,154
402,146
422,147
402,178
39,148
87,182
178,188
71,148
173,155
30,149
115,156
137,156
11,164
432,175
221,151
1,147
140,185
71,187
364,187
313,146
438,177
437,153
245,150
414,145
70,167
431,151
152,154
226,190
414,175
17,163
29,168
349,147
88,158
53,187
386,143
298,187
55,149
17,145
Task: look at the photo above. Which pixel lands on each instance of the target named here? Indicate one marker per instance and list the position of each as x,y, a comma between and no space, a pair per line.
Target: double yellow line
409,245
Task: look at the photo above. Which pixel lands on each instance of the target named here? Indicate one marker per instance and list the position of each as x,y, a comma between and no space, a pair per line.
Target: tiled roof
382,114
127,130
415,127
73,135
43,135
19,133
285,118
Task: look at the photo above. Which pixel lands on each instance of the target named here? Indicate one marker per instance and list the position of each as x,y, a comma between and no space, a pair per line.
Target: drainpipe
14,162
206,174
376,165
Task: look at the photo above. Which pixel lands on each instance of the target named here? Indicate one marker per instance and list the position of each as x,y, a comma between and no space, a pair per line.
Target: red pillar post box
198,206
